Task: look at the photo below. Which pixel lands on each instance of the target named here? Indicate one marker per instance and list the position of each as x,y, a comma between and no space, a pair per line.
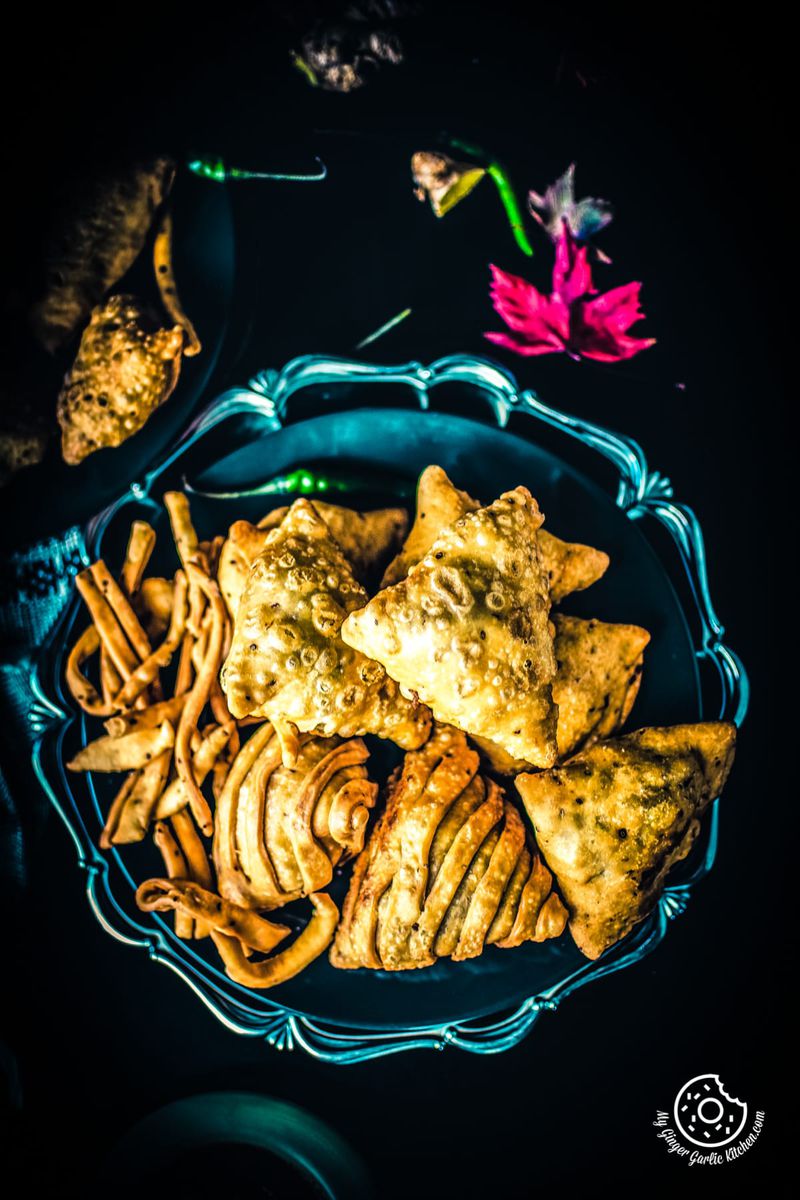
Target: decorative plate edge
641,493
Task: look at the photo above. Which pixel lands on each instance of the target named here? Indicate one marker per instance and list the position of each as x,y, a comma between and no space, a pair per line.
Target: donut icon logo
706,1115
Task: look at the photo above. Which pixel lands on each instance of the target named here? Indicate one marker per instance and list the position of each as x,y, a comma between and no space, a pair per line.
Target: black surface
679,123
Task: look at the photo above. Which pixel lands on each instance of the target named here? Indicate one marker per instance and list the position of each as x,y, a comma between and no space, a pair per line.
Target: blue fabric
35,588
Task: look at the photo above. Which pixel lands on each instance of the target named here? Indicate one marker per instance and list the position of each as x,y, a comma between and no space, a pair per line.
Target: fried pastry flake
280,831
569,566
596,684
613,820
447,869
287,661
365,539
126,367
467,631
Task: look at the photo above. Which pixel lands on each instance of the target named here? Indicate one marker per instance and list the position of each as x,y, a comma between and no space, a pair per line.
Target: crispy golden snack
126,753
101,229
569,566
287,661
364,538
133,820
162,895
176,868
447,869
596,684
309,944
165,278
613,820
79,686
145,718
467,631
174,797
145,673
126,367
153,603
280,831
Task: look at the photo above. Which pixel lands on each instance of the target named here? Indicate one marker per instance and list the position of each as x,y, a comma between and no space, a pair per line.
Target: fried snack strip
313,941
106,623
176,868
174,797
145,718
127,753
121,608
117,804
84,692
165,278
613,820
196,700
141,541
447,869
137,811
146,672
161,895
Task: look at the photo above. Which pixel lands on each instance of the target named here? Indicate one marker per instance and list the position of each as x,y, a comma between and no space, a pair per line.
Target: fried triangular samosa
287,661
280,831
447,869
613,820
467,631
365,538
569,566
596,684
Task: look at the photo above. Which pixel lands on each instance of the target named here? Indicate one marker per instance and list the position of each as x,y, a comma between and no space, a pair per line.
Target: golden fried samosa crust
287,661
596,684
102,228
280,831
569,566
447,869
613,820
468,632
126,367
364,538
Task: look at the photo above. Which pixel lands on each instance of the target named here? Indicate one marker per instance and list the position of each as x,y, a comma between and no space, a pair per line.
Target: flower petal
526,311
527,349
572,275
617,309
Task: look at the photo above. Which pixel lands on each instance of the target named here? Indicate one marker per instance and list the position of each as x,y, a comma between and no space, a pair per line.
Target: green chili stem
505,190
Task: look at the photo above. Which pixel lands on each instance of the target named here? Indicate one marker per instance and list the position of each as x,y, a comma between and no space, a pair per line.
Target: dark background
678,120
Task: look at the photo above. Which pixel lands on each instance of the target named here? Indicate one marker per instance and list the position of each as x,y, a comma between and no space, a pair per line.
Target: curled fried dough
274,839
161,895
83,692
314,939
121,608
446,871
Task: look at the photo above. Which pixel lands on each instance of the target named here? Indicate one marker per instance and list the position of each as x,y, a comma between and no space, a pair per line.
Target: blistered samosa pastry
468,631
596,684
447,870
366,539
126,367
613,820
287,661
280,831
569,566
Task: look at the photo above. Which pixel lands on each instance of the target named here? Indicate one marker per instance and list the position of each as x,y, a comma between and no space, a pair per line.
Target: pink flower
574,317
